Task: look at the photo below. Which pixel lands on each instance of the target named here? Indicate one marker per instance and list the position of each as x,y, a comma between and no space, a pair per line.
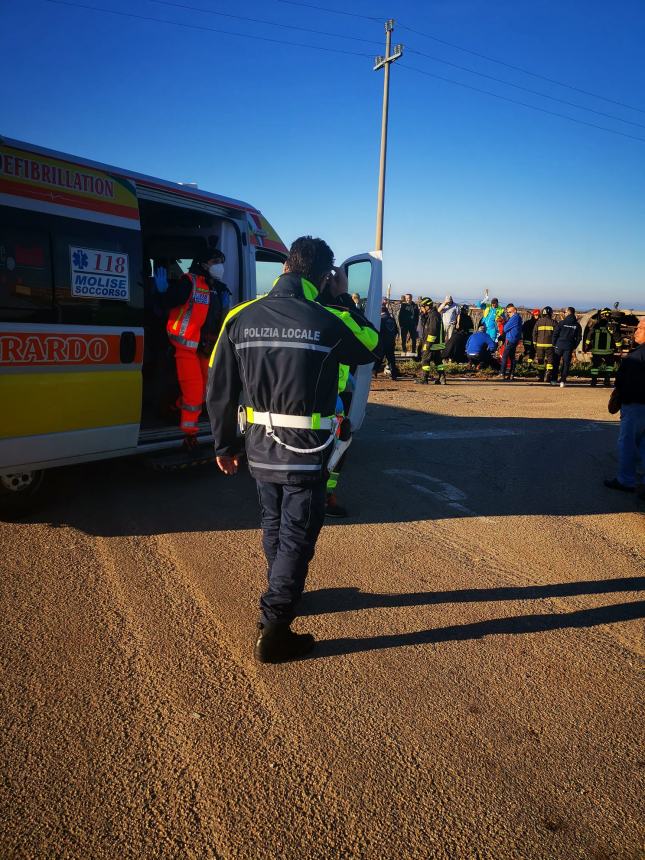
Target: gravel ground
476,691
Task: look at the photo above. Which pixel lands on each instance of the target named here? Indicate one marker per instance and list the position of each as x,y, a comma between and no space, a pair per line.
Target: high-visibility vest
603,341
185,322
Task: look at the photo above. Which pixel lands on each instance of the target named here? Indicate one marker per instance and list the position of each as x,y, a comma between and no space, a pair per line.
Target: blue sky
480,192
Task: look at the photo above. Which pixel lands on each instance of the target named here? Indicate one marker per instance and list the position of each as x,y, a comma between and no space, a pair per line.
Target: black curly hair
310,258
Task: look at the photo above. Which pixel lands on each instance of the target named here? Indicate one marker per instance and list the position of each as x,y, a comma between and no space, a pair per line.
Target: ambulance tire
21,493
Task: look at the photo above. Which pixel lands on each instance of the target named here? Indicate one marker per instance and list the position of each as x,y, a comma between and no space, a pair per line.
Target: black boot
277,643
594,382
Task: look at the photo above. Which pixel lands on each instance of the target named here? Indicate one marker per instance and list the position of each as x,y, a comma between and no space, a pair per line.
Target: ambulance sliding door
365,277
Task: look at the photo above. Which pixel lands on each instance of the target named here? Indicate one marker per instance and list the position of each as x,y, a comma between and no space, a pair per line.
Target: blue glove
225,297
161,279
340,408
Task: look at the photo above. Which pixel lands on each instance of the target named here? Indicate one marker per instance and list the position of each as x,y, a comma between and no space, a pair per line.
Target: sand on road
476,690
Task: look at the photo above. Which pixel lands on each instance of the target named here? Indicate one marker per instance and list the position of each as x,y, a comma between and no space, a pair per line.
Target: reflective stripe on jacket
435,332
603,340
185,322
543,331
284,351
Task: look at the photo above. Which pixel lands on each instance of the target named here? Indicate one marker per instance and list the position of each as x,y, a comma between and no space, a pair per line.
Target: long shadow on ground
330,600
461,632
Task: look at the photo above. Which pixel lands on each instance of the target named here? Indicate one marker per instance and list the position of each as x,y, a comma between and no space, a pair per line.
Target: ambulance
86,371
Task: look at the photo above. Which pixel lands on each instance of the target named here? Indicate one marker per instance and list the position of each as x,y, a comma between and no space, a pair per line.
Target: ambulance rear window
25,268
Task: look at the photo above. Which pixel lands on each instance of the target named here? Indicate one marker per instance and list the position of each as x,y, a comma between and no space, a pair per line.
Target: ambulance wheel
20,493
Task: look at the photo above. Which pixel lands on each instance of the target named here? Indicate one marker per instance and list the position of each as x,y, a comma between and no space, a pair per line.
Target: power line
264,21
379,19
525,89
518,68
147,18
411,51
467,51
522,104
208,29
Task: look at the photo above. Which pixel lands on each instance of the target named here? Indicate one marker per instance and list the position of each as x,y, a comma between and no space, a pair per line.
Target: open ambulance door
365,277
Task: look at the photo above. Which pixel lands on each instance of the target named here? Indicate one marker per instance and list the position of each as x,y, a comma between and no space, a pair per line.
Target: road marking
443,492
496,432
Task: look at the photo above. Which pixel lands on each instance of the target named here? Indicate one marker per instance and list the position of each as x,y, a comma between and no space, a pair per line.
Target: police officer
433,347
566,337
543,343
283,352
603,340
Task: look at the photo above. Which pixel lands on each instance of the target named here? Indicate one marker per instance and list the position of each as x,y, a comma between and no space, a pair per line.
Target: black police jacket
567,333
281,353
630,378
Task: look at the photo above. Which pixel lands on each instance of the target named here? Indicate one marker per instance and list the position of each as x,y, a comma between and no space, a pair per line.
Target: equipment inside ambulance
86,364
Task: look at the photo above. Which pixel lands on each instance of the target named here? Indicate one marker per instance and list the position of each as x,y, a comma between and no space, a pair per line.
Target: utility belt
338,425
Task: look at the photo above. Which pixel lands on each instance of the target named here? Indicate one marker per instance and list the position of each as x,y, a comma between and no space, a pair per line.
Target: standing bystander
512,337
408,322
629,396
566,337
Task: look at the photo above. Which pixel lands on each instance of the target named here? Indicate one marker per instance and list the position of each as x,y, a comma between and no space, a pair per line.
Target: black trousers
483,358
411,331
292,517
563,355
602,365
388,355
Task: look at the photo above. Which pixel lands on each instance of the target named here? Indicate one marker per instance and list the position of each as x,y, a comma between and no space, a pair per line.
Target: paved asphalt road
475,692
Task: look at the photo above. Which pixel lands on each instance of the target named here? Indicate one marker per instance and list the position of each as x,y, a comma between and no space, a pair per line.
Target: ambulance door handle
128,347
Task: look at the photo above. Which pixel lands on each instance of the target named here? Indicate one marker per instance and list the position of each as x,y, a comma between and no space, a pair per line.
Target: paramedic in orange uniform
198,302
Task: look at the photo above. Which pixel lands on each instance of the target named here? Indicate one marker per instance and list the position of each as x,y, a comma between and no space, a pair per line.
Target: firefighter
543,343
603,340
282,352
527,336
196,304
422,325
433,347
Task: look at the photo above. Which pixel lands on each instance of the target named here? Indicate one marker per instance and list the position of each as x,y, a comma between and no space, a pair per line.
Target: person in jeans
566,337
512,337
408,321
629,391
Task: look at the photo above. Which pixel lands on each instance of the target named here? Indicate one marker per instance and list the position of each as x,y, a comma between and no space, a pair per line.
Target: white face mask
216,271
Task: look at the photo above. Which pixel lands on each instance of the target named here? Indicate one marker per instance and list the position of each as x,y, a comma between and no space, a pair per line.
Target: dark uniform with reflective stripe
282,354
603,340
434,345
543,342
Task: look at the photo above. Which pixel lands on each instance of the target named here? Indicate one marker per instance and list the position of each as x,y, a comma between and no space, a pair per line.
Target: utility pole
381,62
